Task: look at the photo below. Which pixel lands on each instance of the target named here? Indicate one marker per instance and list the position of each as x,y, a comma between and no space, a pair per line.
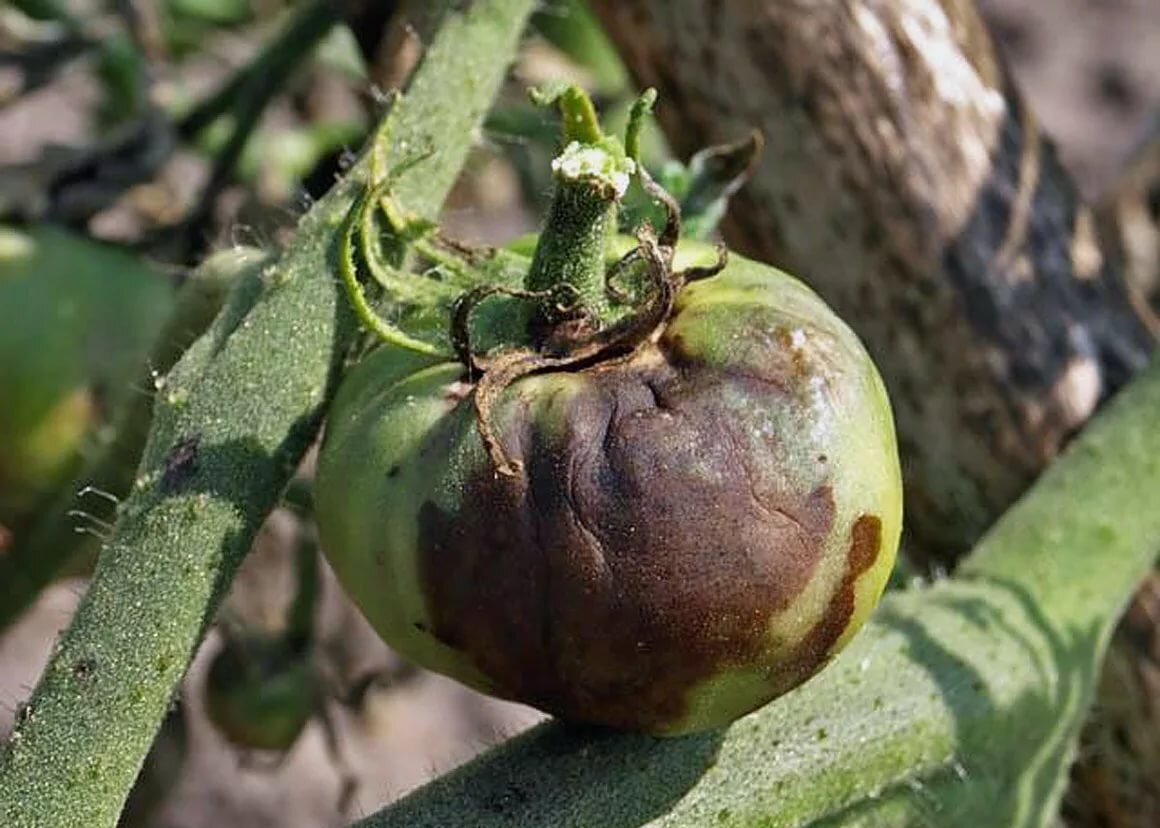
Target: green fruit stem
578,120
242,406
958,705
592,173
581,221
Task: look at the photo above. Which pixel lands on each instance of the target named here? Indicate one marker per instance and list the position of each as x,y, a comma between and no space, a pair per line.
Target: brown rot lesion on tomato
609,590
639,483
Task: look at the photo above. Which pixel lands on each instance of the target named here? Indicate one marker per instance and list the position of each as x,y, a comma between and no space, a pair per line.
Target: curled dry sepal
633,484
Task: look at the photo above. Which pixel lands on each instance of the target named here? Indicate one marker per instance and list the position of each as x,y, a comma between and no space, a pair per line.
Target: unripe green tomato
694,532
76,321
260,695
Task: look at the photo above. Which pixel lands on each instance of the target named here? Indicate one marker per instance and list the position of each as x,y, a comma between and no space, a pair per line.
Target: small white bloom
578,162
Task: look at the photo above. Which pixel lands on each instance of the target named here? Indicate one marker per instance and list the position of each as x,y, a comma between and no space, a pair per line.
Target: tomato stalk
592,173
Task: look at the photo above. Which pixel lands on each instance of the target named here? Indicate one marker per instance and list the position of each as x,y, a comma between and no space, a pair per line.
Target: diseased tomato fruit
697,528
652,504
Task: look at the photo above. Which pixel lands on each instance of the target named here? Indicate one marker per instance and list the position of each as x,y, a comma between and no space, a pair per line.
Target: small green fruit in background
260,692
76,322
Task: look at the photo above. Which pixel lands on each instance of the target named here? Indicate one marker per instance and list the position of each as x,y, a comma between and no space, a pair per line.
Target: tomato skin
694,532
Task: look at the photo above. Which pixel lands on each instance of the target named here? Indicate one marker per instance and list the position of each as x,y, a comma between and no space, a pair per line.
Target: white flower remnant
578,162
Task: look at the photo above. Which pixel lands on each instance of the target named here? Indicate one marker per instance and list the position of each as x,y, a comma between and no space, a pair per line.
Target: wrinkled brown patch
865,544
637,555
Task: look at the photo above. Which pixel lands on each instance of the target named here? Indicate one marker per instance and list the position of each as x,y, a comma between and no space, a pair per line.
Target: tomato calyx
569,310
569,330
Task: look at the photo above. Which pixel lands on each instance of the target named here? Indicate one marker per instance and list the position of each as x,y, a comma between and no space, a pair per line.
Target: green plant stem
284,51
300,614
578,117
40,554
571,250
582,218
241,408
958,705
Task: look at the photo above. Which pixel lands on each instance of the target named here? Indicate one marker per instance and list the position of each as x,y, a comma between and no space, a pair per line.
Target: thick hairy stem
983,678
240,409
